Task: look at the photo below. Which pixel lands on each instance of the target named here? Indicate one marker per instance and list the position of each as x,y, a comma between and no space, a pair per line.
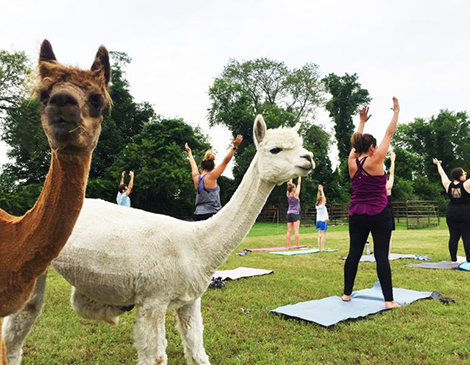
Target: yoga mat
303,252
436,265
394,256
282,248
445,265
329,311
240,272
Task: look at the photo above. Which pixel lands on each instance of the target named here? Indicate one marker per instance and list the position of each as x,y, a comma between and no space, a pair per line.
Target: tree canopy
445,136
347,96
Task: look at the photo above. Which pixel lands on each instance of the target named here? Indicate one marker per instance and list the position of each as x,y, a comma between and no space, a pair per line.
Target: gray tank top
207,200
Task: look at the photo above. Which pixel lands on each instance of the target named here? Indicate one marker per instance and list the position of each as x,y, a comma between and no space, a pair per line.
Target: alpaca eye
44,96
96,101
276,150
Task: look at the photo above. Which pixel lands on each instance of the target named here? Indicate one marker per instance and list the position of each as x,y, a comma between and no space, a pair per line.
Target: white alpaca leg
149,334
190,327
90,309
17,326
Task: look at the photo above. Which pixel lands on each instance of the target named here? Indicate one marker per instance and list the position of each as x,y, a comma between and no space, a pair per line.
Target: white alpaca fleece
118,256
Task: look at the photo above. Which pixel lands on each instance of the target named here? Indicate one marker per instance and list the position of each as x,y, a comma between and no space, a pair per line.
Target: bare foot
455,262
346,298
390,305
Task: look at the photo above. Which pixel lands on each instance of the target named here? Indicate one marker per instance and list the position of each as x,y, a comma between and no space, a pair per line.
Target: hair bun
209,156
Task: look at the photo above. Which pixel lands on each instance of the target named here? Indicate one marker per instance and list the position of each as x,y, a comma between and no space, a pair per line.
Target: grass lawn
425,332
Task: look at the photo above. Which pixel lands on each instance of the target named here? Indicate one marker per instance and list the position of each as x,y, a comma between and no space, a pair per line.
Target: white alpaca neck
221,234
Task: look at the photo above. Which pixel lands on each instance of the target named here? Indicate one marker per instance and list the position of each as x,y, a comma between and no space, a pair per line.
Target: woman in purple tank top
368,211
293,212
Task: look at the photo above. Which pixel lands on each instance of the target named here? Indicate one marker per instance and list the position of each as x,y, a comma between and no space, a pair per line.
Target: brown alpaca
71,118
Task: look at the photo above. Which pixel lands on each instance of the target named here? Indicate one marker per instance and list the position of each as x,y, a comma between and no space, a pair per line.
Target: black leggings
360,225
458,221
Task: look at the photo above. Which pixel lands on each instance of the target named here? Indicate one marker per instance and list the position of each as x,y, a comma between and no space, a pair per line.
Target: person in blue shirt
124,190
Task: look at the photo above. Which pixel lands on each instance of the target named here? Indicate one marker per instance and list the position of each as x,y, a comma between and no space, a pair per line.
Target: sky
418,51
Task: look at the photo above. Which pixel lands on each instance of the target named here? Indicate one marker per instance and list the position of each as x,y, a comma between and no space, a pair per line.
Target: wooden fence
415,213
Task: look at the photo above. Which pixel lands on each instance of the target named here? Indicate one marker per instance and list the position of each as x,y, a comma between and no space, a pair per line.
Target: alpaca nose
309,157
63,98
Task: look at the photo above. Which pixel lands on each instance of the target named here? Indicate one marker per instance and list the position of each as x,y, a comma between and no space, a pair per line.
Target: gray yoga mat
436,265
440,265
302,251
329,311
394,256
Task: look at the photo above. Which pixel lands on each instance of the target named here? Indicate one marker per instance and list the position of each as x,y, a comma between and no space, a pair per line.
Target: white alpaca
118,257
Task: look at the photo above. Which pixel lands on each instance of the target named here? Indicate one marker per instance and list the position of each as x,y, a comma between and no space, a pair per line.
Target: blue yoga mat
329,311
302,251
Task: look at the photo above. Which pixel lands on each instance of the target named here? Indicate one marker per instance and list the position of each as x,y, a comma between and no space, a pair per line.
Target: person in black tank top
458,210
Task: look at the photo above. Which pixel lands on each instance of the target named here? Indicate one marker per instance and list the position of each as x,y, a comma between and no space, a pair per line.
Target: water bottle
367,248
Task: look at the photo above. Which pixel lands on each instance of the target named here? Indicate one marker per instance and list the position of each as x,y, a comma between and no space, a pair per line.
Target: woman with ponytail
458,210
205,182
368,211
293,212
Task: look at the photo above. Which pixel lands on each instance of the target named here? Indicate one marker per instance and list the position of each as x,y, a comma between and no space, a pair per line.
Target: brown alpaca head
73,101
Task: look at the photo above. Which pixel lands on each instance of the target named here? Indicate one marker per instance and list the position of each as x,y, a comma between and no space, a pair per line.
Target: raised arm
363,118
444,179
321,195
192,162
382,149
122,178
131,183
219,170
391,177
297,189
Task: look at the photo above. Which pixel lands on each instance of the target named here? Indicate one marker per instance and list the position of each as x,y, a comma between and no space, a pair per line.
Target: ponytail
362,142
208,163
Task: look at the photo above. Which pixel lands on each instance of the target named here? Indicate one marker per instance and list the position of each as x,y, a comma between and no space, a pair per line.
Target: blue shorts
322,226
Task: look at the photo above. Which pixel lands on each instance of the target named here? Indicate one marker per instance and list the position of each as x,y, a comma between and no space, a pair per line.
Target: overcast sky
416,50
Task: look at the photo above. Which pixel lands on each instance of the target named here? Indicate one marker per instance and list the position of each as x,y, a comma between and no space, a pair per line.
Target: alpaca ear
296,127
101,63
259,129
46,54
46,59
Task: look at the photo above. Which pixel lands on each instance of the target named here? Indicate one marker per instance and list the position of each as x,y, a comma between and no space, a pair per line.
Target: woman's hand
131,173
436,161
396,105
236,141
123,174
363,114
392,156
186,146
320,187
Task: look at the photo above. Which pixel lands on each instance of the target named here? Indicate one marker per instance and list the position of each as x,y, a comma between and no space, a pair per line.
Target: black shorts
291,218
202,217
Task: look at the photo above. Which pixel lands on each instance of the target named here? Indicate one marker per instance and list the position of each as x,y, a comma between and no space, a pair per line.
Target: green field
425,332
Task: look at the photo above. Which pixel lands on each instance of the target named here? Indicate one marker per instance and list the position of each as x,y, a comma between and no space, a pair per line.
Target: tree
29,150
347,97
126,118
163,182
262,86
445,136
15,71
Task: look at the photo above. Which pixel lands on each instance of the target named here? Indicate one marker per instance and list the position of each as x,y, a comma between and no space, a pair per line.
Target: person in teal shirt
124,190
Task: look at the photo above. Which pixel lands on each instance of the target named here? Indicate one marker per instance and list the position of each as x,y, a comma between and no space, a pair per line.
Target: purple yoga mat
282,248
240,272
